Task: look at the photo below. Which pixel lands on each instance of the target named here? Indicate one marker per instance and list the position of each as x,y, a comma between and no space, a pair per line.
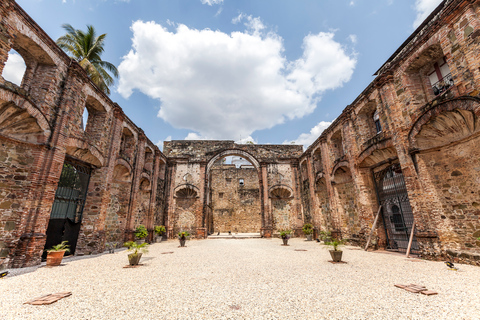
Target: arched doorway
234,194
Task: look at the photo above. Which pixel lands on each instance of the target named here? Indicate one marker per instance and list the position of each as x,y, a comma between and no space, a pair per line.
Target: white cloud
307,139
14,68
353,38
225,86
159,143
246,140
423,9
211,2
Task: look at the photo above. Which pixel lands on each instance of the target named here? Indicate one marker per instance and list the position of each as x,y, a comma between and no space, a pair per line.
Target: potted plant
138,249
285,235
141,233
159,231
55,254
183,236
336,254
325,236
308,231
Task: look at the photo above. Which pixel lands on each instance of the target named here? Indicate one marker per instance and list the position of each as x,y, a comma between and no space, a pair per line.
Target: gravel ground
244,279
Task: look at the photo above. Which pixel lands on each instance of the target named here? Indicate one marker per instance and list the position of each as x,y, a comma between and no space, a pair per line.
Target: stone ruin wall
236,208
432,137
41,126
192,167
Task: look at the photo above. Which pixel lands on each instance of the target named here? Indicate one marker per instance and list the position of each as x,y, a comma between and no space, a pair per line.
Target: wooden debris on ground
167,252
415,288
49,298
299,250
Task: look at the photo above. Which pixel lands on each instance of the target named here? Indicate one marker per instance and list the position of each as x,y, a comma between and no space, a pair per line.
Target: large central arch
248,198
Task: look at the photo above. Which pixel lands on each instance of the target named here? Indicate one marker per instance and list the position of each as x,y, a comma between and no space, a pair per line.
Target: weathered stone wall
41,125
431,133
236,207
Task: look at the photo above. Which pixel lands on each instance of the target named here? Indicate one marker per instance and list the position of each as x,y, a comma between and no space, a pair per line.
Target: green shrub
160,230
141,232
307,228
285,234
183,235
60,247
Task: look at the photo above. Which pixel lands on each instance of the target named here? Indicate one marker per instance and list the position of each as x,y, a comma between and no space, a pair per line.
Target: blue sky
274,71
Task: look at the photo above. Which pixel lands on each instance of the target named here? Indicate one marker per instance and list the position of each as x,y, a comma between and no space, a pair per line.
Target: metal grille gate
396,210
67,209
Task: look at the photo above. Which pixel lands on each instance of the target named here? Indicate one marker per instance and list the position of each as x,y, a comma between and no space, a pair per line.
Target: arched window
14,68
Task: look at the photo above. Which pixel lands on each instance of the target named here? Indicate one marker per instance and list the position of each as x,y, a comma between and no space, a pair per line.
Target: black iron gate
67,209
396,210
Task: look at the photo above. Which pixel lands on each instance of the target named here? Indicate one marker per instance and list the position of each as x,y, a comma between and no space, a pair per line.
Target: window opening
440,77
220,195
376,120
241,182
85,119
14,68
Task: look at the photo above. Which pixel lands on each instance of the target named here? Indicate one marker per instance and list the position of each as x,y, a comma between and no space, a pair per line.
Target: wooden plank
49,298
373,227
429,293
410,240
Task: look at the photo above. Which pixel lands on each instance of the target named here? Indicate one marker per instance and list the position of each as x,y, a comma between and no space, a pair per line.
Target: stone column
267,228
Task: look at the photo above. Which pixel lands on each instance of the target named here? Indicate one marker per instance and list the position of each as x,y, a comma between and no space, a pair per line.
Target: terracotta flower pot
336,255
134,259
54,258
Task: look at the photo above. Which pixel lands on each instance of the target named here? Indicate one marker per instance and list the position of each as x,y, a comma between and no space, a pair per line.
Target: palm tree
86,48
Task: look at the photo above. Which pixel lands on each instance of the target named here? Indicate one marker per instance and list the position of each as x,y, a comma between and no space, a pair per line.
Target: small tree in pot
159,231
308,231
285,235
138,249
141,233
183,236
336,254
56,253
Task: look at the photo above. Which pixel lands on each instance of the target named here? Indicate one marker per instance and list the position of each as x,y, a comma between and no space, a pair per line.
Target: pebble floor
244,279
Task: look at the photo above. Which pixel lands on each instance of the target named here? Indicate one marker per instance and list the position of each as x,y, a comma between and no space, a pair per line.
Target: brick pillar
268,226
170,201
137,171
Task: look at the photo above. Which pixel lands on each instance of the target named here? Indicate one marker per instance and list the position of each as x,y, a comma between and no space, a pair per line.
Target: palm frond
86,48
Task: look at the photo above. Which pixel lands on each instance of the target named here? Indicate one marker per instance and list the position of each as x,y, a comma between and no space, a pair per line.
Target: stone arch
148,159
40,63
127,144
336,145
247,199
317,160
121,173
144,178
446,123
233,152
85,152
377,153
124,163
21,120
342,174
365,120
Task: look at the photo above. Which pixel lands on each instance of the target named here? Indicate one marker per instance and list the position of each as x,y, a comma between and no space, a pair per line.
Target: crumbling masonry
406,148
